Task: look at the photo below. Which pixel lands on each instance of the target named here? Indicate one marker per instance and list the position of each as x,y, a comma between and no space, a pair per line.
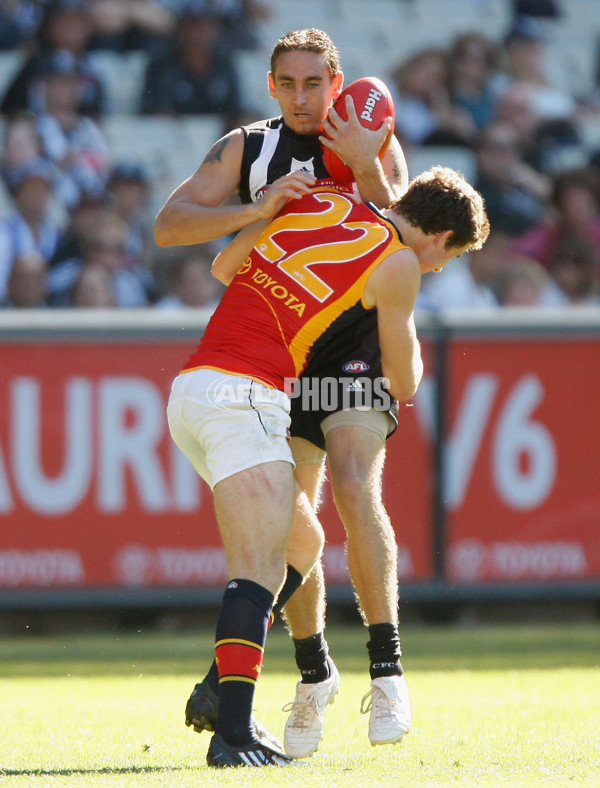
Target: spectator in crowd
540,142
128,189
190,283
83,219
549,9
525,283
73,142
105,247
574,210
472,64
513,191
239,18
198,76
119,26
543,142
93,288
524,48
65,27
240,22
21,142
515,107
18,22
29,227
27,286
424,111
574,269
471,281
457,290
149,25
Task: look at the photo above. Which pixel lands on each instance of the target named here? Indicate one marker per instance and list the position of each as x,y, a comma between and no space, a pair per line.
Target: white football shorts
225,424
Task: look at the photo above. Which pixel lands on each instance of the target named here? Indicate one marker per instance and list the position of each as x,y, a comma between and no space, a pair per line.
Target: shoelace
303,708
367,702
383,711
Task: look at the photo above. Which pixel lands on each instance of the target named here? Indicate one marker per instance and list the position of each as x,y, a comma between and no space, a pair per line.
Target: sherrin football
374,103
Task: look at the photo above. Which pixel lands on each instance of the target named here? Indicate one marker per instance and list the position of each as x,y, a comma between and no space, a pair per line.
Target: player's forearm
382,181
230,259
402,363
404,378
184,223
374,186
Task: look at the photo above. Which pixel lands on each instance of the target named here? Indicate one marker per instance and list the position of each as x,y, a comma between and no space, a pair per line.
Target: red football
374,103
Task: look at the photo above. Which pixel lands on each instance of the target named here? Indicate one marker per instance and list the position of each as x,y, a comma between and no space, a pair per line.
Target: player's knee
317,543
265,565
350,491
304,552
273,576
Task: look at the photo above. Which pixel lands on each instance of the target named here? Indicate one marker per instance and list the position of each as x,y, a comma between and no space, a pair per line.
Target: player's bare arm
380,181
194,212
395,168
393,288
289,187
230,259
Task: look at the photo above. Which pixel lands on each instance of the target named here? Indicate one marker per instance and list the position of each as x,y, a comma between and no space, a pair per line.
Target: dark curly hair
440,199
308,40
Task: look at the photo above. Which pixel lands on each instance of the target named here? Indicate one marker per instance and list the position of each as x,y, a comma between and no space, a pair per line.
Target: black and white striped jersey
272,149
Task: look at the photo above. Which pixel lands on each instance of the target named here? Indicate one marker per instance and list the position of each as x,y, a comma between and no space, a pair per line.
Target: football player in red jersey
228,412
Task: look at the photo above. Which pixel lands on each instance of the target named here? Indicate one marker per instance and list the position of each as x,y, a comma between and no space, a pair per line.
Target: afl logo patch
355,366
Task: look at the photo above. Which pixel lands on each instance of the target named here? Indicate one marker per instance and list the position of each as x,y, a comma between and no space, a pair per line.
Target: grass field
492,705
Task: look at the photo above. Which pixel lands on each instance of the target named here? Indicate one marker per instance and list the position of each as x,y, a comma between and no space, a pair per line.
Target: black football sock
293,581
311,658
240,638
384,651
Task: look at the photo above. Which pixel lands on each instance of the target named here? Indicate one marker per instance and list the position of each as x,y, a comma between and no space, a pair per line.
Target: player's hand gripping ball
374,103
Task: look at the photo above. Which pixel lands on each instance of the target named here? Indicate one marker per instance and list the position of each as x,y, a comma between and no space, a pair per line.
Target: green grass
491,706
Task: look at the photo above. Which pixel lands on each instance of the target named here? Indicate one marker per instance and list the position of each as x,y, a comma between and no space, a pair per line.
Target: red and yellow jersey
304,279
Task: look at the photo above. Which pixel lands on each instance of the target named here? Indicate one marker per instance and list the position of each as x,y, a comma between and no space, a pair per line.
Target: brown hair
440,199
308,40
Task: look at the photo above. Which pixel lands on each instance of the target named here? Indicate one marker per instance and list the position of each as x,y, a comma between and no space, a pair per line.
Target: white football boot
389,704
304,728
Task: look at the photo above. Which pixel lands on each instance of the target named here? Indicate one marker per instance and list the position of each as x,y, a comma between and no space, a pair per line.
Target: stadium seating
252,67
123,75
147,137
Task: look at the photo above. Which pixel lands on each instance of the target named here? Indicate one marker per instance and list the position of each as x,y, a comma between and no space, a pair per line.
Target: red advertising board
93,493
522,481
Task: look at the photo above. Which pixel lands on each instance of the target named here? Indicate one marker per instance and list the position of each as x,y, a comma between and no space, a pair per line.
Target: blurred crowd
77,231
540,181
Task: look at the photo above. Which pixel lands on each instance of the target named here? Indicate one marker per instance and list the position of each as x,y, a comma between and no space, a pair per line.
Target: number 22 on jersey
293,240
